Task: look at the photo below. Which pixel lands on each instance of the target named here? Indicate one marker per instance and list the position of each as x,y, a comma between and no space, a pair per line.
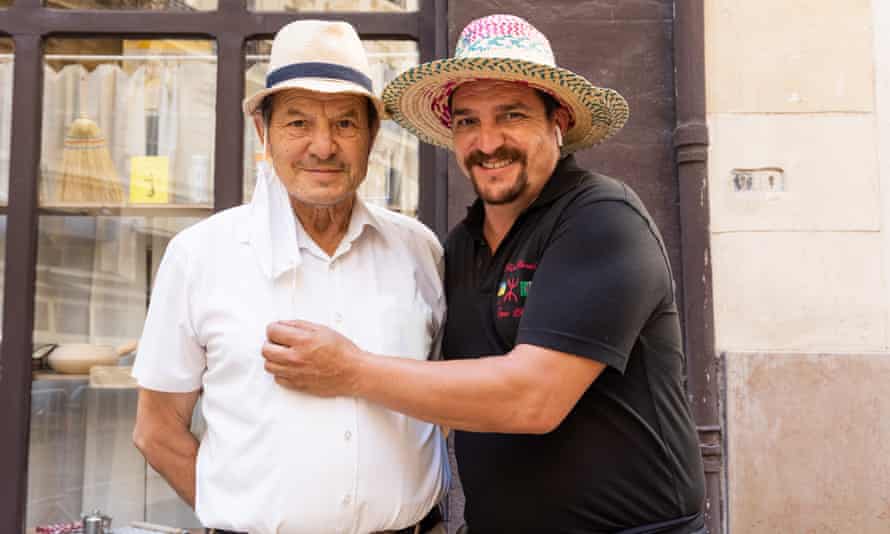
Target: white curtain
92,273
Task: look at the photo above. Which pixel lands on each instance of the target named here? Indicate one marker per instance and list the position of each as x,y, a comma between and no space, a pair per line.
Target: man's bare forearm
175,457
530,390
437,391
521,392
162,435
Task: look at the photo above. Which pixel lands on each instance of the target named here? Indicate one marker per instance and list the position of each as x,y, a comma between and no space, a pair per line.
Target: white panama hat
317,55
502,47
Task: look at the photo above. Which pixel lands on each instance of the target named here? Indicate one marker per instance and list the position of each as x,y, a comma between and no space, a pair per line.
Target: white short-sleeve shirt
273,460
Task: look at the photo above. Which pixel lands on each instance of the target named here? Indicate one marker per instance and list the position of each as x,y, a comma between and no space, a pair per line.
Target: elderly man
566,371
273,460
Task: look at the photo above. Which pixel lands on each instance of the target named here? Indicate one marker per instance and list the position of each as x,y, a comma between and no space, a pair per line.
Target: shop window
127,153
128,123
383,6
392,178
156,5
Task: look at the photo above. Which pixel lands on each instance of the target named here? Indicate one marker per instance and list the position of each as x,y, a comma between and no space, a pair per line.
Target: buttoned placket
338,320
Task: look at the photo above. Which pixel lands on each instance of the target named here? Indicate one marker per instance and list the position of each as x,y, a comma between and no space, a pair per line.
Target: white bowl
77,358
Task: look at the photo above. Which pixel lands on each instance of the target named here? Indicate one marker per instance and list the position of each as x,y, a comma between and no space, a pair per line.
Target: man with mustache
272,460
565,371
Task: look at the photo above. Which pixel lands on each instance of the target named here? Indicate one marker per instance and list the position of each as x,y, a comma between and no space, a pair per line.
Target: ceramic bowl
77,358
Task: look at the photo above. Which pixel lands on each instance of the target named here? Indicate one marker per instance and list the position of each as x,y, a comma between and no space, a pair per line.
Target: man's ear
561,116
258,124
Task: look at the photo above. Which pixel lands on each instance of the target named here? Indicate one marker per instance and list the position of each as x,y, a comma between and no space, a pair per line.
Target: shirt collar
565,177
360,218
271,230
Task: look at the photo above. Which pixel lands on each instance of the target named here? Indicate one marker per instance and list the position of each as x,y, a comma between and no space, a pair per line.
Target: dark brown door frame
28,23
691,157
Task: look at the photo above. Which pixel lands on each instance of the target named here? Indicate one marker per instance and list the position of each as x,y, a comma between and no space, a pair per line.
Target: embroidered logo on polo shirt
514,288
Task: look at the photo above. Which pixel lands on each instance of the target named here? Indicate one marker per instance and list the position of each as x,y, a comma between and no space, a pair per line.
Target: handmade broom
87,171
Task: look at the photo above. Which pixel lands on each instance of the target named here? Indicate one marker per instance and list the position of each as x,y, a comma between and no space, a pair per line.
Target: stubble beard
508,195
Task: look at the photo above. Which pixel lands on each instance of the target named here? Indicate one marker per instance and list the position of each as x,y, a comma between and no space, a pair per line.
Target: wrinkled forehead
312,102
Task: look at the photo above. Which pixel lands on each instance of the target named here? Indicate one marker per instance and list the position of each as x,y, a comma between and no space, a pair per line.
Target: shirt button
347,436
346,500
338,317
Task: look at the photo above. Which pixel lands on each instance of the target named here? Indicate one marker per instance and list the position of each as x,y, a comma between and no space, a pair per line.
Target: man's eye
346,124
465,122
513,116
299,123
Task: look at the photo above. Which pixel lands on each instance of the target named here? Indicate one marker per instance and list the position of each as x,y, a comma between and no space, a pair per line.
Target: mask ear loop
558,137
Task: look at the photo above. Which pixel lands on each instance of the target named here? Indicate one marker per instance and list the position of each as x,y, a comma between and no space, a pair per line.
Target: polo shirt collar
271,230
565,177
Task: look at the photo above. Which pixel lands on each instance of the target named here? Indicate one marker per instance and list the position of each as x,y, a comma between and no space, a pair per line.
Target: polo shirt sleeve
599,279
169,357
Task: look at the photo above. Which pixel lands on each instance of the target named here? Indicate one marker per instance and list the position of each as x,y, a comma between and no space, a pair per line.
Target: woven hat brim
410,98
250,104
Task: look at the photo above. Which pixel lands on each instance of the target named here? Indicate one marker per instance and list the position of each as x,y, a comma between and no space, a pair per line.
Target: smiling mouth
496,164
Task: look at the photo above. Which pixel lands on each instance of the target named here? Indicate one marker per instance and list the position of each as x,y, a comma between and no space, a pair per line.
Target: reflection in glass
392,179
94,276
132,125
383,6
6,67
126,164
155,5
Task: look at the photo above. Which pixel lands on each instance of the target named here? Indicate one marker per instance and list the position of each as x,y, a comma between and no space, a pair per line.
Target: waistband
430,520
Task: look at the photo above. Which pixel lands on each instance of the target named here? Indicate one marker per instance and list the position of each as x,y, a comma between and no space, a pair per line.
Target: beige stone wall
801,296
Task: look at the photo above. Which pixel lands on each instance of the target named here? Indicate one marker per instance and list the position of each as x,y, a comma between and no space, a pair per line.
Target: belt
432,518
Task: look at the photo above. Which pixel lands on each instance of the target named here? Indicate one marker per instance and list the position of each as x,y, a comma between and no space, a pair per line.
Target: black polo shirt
584,271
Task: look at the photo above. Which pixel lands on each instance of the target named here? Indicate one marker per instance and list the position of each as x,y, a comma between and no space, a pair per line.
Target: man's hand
311,358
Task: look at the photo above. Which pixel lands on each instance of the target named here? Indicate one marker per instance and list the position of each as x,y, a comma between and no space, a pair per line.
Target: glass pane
94,274
127,148
128,123
6,67
383,6
156,5
392,178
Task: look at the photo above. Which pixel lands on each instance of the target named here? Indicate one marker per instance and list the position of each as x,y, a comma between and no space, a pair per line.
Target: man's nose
323,145
490,139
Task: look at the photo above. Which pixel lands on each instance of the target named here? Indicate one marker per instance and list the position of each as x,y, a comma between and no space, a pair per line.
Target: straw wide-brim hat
320,56
508,48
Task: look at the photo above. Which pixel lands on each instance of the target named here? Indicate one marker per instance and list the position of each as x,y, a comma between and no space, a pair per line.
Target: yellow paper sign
149,179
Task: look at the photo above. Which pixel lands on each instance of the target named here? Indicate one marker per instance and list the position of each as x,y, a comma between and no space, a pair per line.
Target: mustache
477,157
330,164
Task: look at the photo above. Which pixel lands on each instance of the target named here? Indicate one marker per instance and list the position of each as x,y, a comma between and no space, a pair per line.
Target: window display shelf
124,210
